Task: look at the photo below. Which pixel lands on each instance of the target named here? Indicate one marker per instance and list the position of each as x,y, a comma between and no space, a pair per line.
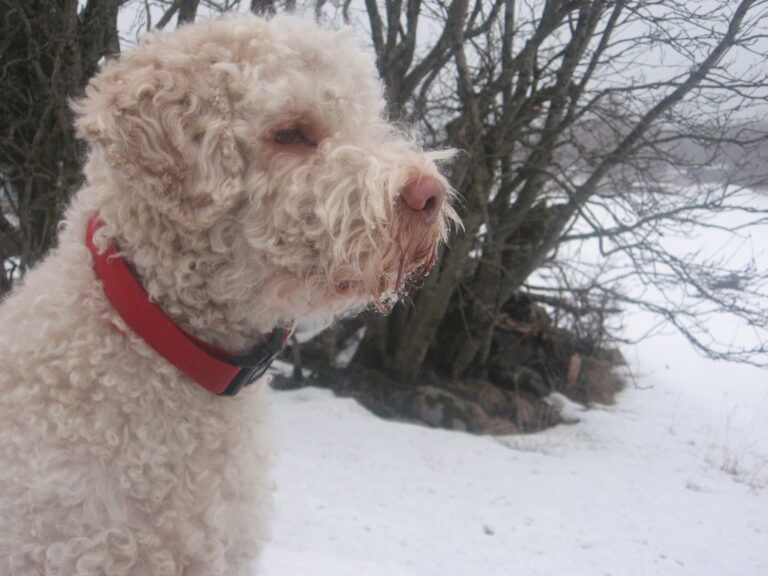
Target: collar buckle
257,362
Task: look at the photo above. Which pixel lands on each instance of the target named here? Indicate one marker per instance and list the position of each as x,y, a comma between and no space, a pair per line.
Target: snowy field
673,479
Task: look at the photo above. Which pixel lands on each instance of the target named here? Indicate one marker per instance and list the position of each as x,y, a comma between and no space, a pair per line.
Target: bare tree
48,51
572,114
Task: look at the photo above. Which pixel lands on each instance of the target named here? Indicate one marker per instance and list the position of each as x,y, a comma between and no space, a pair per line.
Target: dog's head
269,141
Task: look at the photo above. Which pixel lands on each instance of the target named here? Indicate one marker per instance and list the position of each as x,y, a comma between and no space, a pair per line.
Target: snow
565,407
673,479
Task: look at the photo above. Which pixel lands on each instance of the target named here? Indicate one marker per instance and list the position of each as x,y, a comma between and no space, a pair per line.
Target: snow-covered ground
673,479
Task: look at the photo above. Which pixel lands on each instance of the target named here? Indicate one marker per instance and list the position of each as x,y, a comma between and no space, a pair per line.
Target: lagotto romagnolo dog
242,179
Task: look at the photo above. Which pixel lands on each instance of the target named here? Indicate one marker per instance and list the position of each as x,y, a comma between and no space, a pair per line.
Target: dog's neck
213,368
194,278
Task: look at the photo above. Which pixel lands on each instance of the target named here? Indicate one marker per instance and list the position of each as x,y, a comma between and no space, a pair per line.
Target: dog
242,180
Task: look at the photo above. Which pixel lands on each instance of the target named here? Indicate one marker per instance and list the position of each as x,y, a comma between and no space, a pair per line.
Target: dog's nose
424,195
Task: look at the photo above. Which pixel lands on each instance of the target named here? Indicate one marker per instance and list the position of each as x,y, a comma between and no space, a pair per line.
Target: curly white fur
111,461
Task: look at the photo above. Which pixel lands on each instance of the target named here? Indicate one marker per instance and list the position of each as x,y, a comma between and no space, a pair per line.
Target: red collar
212,368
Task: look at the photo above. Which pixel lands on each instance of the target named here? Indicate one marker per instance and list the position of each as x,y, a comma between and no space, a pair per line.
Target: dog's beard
411,254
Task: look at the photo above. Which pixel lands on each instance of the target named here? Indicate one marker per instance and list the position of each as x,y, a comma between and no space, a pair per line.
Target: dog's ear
166,126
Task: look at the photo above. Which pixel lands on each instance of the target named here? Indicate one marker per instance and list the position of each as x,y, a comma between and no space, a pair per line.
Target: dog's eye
290,136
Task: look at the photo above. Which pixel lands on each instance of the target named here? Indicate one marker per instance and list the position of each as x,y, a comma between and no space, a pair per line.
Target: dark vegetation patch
530,360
